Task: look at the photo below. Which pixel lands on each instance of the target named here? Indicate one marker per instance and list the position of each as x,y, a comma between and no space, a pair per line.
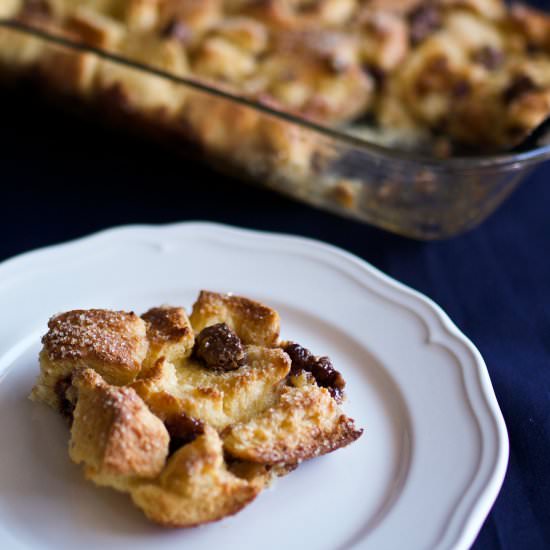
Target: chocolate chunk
218,347
321,368
520,85
66,406
182,429
424,21
489,57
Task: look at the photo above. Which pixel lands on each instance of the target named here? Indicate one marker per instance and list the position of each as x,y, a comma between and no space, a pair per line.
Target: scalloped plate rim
475,517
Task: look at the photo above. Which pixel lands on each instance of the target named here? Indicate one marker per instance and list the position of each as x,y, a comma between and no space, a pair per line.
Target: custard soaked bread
473,72
191,416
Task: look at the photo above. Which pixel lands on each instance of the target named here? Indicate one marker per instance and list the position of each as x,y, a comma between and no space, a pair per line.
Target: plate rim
479,510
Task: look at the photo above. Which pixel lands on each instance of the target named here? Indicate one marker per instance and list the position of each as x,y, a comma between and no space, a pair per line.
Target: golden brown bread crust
195,487
113,343
461,80
253,322
305,422
148,95
113,433
159,415
169,333
113,337
261,475
166,324
94,28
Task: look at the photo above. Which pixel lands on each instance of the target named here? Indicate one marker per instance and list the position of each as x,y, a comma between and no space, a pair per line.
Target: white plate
424,474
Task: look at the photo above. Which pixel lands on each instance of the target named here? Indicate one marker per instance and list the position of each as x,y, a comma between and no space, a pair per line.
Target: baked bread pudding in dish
191,416
470,72
298,95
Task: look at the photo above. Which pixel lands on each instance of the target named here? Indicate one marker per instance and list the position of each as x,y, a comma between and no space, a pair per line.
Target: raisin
424,21
301,357
520,85
489,57
218,347
376,73
177,30
462,89
328,377
321,368
182,429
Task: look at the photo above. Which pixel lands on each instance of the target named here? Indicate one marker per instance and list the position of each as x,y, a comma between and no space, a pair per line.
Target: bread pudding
246,86
194,416
473,72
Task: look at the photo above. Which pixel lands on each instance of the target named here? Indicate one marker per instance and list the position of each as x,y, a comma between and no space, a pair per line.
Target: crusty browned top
97,334
249,309
166,324
116,425
253,322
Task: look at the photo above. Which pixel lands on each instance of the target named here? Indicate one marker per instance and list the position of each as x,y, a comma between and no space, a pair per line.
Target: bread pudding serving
191,416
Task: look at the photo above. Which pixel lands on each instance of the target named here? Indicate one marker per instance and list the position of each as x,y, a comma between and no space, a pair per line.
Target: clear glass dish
423,198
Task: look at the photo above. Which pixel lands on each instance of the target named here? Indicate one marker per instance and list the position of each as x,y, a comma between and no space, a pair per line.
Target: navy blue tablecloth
61,178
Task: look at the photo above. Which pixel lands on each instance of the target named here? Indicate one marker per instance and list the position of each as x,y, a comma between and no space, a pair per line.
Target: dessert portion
467,73
191,416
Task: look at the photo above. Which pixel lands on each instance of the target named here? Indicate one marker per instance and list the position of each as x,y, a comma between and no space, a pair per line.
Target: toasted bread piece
196,15
18,51
306,422
253,322
317,73
140,92
220,59
169,333
248,34
114,434
195,487
141,15
219,399
112,343
221,126
69,71
95,29
9,8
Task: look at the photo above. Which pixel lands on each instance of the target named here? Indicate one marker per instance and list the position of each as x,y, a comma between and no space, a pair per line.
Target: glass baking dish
423,198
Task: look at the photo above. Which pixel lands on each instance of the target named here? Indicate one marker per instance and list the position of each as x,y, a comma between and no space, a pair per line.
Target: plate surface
424,474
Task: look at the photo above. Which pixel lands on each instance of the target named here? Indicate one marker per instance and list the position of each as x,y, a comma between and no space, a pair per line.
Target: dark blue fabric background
61,178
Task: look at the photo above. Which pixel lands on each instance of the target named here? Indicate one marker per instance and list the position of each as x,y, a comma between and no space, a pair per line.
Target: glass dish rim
459,163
